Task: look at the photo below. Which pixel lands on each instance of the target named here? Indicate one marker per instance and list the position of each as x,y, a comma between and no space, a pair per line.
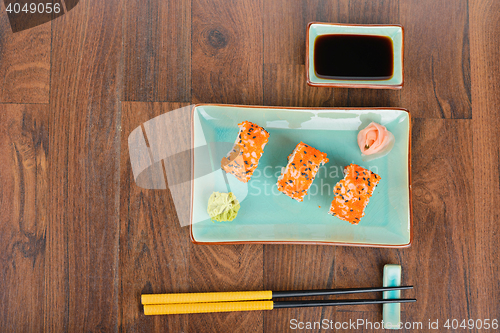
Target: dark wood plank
437,66
285,85
227,66
367,97
438,262
298,267
24,63
82,232
373,12
226,268
157,51
154,249
485,52
23,215
227,51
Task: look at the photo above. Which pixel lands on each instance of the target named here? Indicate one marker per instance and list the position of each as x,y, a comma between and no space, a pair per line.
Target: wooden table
79,241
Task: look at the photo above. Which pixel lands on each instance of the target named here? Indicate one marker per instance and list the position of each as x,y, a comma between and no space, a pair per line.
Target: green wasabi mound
223,207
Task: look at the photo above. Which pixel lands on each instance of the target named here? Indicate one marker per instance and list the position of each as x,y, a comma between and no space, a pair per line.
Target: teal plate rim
294,242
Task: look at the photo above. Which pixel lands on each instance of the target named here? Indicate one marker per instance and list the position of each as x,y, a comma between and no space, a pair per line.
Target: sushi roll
244,158
297,177
353,193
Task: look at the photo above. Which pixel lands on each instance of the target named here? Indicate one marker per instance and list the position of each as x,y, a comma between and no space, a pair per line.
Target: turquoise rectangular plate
268,216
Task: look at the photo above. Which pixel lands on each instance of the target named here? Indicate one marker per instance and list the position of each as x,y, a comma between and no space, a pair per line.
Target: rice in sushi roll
244,158
353,193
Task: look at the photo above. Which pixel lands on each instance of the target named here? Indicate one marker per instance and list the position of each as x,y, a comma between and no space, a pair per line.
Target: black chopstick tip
324,292
340,302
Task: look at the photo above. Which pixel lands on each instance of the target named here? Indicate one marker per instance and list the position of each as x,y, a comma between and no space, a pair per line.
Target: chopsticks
253,295
159,304
184,308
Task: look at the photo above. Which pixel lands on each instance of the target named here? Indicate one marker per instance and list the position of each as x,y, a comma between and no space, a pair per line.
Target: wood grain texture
367,97
227,51
438,263
226,268
285,85
371,12
227,65
437,65
23,216
154,249
82,234
24,63
157,51
298,267
485,52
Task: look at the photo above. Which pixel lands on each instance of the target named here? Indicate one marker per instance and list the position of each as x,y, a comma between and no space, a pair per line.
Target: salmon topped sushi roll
297,177
353,193
244,158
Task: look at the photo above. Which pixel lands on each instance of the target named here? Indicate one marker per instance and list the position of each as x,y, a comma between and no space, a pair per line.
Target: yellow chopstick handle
164,309
205,297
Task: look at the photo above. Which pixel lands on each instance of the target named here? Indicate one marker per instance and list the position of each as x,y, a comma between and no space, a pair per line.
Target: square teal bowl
393,31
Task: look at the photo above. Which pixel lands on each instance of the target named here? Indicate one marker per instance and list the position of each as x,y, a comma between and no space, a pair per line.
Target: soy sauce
353,57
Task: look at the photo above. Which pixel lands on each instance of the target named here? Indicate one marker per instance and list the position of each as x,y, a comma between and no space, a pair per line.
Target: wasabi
223,207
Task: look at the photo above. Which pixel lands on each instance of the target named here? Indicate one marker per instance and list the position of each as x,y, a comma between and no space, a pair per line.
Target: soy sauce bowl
394,32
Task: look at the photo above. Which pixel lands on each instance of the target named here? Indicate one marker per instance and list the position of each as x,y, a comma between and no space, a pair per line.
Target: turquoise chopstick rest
391,313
